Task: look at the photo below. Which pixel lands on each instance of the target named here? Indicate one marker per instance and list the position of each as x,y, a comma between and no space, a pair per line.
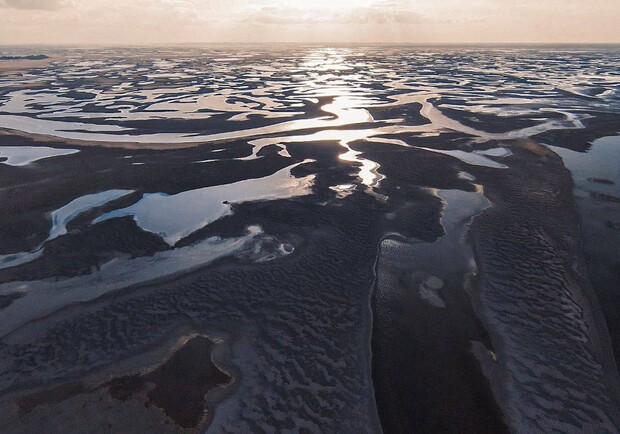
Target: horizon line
262,43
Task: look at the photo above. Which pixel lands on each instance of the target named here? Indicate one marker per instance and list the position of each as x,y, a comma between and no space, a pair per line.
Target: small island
29,57
17,63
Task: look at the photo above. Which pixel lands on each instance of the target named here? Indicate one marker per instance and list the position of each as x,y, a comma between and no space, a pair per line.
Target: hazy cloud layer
48,5
417,21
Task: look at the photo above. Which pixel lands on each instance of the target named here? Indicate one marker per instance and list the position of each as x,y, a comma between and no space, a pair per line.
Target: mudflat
312,239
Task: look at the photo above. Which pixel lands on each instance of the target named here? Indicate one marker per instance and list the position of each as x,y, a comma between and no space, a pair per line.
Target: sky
114,22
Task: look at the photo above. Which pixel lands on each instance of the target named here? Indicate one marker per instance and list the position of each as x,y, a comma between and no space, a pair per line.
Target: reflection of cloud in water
301,85
326,95
340,107
124,272
177,216
24,155
60,219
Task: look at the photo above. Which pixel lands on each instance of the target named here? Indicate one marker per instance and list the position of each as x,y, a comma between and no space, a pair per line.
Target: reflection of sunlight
327,59
347,105
344,108
311,95
368,171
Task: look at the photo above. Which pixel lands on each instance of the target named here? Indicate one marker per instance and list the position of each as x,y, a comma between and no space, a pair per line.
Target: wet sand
596,191
180,384
410,259
167,398
420,376
532,235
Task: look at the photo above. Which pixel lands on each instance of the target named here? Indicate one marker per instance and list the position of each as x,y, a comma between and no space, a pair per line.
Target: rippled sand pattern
318,239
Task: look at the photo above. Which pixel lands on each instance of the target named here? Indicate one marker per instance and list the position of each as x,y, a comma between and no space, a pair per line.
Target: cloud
47,5
419,21
380,13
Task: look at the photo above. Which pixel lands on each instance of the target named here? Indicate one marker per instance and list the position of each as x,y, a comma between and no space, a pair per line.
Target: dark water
361,238
597,190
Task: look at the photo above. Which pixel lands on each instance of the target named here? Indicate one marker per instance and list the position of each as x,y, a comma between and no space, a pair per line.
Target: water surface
361,238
